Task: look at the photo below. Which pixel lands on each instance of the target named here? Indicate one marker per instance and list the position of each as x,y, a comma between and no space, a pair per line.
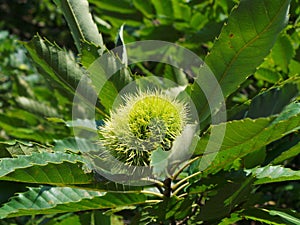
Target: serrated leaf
59,65
108,76
51,168
267,103
60,68
16,147
242,45
245,136
80,21
51,200
271,174
57,169
89,53
36,107
74,145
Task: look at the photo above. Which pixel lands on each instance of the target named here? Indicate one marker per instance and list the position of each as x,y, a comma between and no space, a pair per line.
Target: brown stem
168,188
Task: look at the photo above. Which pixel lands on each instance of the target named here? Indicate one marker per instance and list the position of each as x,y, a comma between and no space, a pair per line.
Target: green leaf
119,6
159,161
261,215
292,152
245,136
58,65
23,132
168,210
283,52
36,107
144,6
234,217
89,53
271,174
182,12
51,168
164,10
272,101
109,76
230,190
267,75
57,169
243,44
165,162
75,145
14,148
255,158
285,216
294,68
80,21
51,200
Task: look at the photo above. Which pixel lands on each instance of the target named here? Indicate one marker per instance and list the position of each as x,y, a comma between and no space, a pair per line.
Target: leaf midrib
75,19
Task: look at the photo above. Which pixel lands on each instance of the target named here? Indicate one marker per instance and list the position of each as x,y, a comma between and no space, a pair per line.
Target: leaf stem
185,166
152,193
153,201
158,182
182,195
175,186
179,189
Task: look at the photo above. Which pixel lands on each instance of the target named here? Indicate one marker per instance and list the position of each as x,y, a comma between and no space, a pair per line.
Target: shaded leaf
272,102
230,191
292,152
